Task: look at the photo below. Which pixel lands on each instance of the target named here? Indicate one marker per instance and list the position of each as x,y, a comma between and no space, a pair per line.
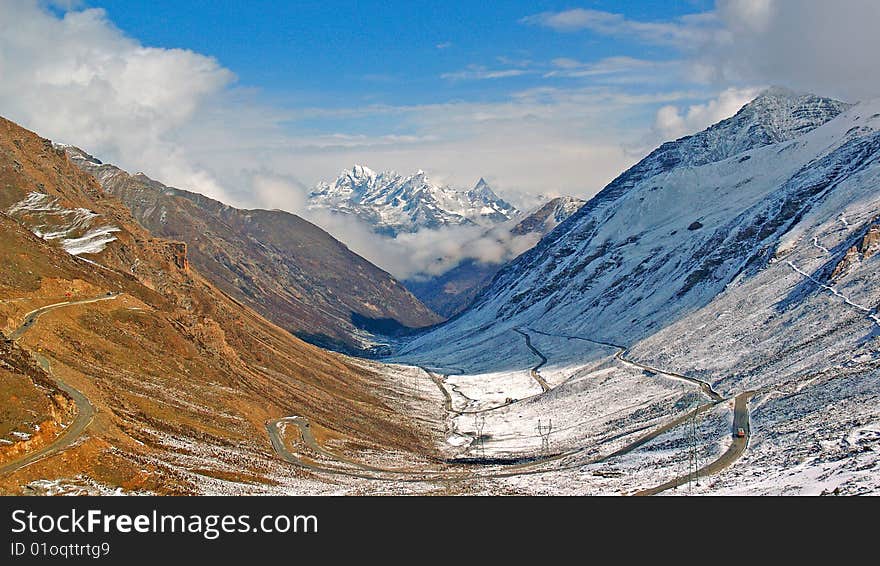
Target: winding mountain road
621,355
85,411
741,419
31,318
353,468
534,371
731,455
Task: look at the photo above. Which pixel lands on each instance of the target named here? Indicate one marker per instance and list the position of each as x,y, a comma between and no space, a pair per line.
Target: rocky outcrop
867,246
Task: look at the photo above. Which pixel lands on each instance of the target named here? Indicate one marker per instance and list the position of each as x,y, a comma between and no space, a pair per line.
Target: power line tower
544,432
479,425
693,456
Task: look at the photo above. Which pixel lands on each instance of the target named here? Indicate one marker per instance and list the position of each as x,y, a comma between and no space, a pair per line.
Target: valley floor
608,423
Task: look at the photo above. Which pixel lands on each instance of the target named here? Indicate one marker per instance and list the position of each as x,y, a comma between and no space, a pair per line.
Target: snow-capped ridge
776,115
675,229
392,203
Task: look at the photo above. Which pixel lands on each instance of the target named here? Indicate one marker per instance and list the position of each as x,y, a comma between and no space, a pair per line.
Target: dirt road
534,371
85,410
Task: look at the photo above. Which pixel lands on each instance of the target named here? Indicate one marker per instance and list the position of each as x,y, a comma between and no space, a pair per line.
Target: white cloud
79,79
571,68
752,15
479,73
815,45
273,191
673,122
677,32
428,252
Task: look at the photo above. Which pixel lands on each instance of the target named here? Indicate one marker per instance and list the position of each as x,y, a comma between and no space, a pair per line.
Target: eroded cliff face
35,412
866,247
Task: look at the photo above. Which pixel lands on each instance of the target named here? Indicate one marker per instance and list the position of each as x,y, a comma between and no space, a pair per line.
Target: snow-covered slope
392,203
669,234
743,255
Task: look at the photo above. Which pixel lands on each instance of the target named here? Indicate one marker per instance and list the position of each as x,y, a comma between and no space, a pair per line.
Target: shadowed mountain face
282,266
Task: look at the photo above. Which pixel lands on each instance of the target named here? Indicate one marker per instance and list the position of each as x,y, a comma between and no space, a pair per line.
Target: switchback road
85,411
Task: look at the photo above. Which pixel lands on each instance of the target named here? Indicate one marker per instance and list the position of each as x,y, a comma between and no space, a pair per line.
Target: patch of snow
72,227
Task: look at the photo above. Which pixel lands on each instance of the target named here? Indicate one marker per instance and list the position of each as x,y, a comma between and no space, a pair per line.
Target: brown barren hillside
284,267
182,378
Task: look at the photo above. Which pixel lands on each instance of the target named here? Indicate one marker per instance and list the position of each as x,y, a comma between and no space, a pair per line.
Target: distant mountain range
391,203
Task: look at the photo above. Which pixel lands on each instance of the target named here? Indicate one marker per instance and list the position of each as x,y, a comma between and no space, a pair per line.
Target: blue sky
255,102
350,53
540,98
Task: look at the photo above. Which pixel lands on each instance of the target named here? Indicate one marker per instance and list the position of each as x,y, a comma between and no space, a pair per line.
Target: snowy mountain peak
777,115
391,203
482,185
360,172
483,190
780,114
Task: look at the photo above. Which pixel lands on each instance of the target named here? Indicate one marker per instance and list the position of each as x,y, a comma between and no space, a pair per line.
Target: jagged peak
359,171
74,152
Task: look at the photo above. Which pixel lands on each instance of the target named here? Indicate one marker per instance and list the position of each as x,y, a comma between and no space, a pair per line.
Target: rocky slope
182,377
391,203
282,266
451,292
